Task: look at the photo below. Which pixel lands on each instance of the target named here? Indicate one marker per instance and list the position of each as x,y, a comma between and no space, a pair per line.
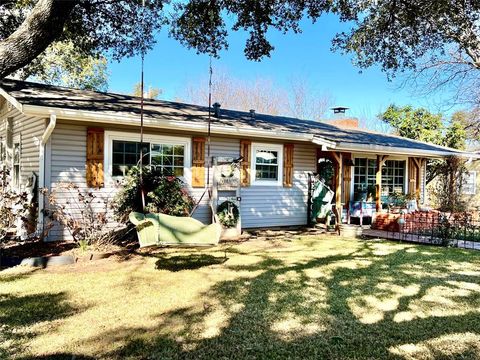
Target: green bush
163,194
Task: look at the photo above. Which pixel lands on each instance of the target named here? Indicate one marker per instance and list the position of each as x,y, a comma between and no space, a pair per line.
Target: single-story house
470,192
90,138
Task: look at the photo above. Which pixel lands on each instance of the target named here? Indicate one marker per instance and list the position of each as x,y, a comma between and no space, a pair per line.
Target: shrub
84,214
447,189
163,194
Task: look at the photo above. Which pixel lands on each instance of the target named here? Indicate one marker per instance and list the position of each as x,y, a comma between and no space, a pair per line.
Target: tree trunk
42,26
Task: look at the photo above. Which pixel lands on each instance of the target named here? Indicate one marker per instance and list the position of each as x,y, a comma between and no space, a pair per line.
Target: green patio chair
166,230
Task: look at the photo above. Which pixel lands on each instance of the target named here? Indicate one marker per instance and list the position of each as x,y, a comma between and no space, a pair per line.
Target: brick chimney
340,118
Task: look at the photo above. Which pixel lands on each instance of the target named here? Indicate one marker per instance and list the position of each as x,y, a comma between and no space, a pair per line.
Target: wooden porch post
418,164
338,191
378,183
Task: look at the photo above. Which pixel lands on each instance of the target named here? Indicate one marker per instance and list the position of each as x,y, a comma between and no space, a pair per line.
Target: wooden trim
95,157
198,162
378,182
288,150
245,152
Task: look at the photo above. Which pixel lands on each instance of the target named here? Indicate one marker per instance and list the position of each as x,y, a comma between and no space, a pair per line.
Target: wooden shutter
95,154
288,165
198,161
245,151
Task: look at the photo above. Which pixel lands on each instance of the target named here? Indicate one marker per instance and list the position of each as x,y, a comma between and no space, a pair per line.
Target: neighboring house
471,186
92,138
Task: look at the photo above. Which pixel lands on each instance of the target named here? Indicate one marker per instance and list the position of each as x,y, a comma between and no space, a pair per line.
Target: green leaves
420,124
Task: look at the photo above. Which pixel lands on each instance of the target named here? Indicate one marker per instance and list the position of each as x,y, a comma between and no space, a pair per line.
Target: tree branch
43,26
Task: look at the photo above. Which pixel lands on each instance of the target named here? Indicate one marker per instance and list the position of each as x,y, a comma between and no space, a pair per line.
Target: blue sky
170,66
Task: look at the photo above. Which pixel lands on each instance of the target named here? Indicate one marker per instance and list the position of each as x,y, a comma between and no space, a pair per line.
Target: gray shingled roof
28,93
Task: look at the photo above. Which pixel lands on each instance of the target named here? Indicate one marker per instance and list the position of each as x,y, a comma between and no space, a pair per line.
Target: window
364,174
170,154
168,157
125,155
3,151
393,176
469,183
267,162
16,164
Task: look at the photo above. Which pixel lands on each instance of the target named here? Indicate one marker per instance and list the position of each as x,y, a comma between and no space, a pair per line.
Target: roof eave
378,149
149,122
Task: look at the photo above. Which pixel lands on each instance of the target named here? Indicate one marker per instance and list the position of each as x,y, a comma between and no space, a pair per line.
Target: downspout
41,177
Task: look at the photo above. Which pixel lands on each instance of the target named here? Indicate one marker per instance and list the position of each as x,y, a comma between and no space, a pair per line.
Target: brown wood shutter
288,165
245,151
95,155
198,161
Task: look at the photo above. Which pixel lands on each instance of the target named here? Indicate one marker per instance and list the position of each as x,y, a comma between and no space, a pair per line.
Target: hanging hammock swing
166,230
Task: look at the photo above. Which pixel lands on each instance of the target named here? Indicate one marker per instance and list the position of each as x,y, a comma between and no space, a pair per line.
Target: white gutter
123,119
41,177
378,149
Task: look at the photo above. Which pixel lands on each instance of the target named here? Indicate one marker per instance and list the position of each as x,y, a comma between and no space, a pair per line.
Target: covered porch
367,184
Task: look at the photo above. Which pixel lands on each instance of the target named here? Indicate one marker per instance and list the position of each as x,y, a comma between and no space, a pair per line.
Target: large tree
396,34
420,124
61,64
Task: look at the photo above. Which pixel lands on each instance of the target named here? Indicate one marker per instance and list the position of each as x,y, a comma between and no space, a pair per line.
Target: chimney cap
339,109
217,104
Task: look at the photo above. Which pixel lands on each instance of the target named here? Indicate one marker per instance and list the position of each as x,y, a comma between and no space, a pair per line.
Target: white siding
279,206
30,130
67,154
262,206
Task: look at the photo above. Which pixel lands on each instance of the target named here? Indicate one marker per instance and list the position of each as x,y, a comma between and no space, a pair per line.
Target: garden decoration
225,201
321,201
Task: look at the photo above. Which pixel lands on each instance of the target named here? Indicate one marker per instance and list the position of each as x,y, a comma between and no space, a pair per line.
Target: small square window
267,162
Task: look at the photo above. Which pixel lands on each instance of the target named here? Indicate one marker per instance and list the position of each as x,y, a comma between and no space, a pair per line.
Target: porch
367,184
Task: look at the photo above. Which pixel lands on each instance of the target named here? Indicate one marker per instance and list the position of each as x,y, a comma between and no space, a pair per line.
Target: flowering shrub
84,214
163,194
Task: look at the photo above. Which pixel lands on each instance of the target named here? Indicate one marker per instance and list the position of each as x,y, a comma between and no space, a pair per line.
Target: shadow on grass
60,356
19,313
187,262
315,309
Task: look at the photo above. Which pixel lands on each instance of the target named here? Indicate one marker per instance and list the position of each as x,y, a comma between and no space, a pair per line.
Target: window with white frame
364,174
16,164
125,155
469,183
393,175
3,151
267,162
170,154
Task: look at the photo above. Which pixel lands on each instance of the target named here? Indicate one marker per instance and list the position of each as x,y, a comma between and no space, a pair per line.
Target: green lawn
318,298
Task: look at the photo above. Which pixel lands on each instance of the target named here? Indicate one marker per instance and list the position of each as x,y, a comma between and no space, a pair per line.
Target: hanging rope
208,162
142,192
